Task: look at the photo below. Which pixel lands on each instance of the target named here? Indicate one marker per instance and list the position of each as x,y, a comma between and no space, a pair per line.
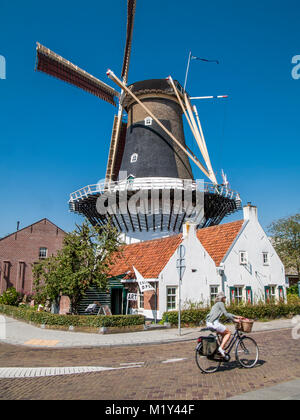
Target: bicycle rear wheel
207,364
246,352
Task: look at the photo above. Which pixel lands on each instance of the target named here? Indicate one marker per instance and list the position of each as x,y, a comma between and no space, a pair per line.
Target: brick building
19,250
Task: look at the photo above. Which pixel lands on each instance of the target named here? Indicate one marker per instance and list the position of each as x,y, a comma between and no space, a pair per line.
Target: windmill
149,189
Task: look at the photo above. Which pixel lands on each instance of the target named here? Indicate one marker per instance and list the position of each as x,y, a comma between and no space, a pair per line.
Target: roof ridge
32,224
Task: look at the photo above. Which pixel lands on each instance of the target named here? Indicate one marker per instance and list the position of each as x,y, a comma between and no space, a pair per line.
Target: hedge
46,318
261,311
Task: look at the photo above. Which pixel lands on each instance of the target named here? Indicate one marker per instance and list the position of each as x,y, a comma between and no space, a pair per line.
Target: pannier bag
209,345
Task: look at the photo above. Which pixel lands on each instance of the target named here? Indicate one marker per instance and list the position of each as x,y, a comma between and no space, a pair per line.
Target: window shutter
249,296
267,293
232,294
281,295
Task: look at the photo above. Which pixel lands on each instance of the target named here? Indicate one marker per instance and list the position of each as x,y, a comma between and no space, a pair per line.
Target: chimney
250,212
189,229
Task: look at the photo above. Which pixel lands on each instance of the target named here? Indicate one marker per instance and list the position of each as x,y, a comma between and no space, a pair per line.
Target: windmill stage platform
149,213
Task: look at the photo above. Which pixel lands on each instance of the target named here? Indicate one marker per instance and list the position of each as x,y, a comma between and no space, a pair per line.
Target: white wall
200,273
254,241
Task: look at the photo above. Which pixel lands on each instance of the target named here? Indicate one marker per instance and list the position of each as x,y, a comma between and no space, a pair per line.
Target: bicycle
246,352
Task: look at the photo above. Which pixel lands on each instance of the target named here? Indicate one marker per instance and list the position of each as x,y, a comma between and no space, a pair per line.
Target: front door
116,301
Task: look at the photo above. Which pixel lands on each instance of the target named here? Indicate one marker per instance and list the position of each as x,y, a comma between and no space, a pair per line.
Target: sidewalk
21,333
284,391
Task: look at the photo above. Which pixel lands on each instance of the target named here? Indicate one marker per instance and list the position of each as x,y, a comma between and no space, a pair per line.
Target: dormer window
148,121
134,158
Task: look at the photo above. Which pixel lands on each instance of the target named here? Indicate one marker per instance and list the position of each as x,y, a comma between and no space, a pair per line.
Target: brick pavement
153,380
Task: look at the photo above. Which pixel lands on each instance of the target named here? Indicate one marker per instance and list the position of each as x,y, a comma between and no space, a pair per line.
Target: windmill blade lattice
55,65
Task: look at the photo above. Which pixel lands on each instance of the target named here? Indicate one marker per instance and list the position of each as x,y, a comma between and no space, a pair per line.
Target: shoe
221,351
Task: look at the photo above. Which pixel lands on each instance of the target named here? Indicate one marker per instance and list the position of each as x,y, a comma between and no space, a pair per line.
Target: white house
236,258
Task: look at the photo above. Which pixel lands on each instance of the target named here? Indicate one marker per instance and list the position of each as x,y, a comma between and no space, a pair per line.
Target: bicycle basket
245,326
209,345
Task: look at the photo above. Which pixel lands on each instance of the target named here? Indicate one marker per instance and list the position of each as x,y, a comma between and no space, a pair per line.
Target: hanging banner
143,284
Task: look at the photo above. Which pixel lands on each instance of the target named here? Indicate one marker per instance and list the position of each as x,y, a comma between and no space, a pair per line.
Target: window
134,158
243,257
43,253
272,293
140,300
171,298
265,258
213,293
148,121
236,294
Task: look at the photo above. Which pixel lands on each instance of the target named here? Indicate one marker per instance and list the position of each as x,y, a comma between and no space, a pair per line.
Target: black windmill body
148,170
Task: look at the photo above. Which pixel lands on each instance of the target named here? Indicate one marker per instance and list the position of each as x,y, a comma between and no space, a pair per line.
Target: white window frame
238,298
243,255
42,257
134,158
175,303
272,296
213,294
141,301
148,121
266,260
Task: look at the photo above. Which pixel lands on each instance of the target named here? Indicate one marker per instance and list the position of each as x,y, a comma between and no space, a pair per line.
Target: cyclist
212,320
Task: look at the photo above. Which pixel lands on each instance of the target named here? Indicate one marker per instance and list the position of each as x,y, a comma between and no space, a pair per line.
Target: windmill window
134,158
148,121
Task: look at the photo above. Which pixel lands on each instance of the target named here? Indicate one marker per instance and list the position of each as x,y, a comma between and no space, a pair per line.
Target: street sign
132,296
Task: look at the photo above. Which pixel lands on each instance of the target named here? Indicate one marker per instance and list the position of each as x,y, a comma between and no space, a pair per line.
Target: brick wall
20,250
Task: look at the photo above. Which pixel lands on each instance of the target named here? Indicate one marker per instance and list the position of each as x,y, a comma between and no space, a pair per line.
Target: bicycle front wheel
246,352
206,364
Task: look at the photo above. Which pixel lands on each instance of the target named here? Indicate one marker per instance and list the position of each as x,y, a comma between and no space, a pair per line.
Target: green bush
293,290
194,317
25,314
10,297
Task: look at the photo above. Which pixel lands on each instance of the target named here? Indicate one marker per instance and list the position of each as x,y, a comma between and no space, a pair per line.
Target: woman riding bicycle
212,320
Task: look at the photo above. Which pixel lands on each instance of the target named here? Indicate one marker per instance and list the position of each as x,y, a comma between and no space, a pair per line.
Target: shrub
10,297
293,290
261,311
25,314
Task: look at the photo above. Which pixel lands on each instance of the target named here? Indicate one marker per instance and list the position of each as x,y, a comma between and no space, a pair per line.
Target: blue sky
55,138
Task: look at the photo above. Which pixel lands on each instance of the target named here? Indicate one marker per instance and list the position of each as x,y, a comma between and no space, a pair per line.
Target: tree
286,240
83,261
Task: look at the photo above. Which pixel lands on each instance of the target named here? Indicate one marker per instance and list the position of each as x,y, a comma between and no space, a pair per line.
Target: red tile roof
150,257
218,239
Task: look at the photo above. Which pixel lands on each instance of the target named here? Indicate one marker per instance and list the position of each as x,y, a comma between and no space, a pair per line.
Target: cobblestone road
165,372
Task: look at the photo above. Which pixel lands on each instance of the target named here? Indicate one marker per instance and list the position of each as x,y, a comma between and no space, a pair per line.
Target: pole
299,288
187,69
155,316
179,306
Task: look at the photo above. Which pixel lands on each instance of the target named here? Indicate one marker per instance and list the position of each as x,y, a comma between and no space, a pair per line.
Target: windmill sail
116,150
55,65
117,142
131,5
